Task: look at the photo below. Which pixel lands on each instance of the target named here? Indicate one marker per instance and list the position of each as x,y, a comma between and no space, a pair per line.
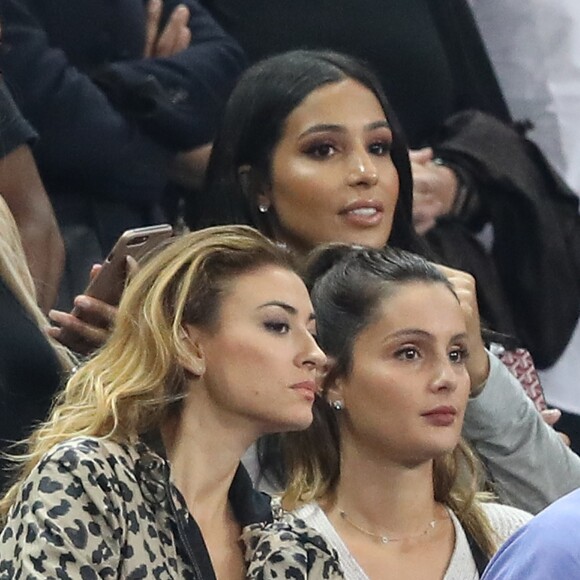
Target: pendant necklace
382,538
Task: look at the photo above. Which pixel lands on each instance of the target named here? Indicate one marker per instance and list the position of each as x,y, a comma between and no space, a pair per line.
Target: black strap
479,556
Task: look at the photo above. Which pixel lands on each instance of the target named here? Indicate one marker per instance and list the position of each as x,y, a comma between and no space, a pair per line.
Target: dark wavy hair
348,286
253,123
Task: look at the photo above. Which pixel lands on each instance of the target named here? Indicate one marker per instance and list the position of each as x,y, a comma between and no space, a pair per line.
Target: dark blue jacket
108,119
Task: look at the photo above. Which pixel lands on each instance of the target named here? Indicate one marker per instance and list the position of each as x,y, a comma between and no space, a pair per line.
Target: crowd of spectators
418,176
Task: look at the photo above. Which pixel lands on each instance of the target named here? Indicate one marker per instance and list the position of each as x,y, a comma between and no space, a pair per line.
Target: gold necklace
382,538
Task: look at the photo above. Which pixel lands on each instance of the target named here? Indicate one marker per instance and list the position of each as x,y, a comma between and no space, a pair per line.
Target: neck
204,451
397,500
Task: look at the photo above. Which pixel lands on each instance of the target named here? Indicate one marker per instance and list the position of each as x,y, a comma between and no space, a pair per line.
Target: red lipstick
442,416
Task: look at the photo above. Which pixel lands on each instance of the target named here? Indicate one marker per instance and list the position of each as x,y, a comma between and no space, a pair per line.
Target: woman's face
332,176
406,394
261,361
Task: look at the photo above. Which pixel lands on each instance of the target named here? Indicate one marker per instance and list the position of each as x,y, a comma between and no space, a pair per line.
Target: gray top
526,458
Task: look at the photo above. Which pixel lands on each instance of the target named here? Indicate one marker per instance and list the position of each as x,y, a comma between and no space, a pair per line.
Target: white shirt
504,520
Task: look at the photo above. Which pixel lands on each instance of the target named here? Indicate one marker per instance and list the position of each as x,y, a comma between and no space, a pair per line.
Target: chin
296,422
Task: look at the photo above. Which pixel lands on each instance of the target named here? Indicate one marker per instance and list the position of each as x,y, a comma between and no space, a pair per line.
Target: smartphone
109,283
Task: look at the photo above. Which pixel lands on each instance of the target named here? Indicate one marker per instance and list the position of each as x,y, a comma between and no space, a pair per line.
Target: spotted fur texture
289,549
94,509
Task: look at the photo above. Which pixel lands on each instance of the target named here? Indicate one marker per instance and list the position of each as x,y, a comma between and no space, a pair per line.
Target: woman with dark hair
253,125
310,152
382,473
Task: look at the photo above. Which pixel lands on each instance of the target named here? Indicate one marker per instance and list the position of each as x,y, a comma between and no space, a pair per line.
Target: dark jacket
108,119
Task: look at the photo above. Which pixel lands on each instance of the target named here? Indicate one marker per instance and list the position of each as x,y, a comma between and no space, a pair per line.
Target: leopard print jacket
95,509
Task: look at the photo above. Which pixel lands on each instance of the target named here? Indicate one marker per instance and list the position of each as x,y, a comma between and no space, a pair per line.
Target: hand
85,329
188,168
434,189
551,417
174,38
478,360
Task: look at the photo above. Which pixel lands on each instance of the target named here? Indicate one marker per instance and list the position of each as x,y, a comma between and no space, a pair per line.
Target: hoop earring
337,405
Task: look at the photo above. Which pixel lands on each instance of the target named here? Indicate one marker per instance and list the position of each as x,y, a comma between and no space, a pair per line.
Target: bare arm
21,187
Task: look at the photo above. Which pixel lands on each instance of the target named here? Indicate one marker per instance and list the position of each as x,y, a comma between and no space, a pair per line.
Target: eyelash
325,150
277,327
401,353
462,352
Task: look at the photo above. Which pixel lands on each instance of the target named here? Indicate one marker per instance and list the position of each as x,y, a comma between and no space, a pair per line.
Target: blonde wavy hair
136,380
349,286
16,275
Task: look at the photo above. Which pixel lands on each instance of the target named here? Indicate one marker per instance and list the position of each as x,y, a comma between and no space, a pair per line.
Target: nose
362,169
312,354
445,375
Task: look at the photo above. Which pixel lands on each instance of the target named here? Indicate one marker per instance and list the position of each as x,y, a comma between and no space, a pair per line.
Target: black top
14,129
407,42
29,372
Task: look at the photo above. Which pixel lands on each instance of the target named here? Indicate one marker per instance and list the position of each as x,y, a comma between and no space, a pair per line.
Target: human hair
136,381
348,287
16,275
254,122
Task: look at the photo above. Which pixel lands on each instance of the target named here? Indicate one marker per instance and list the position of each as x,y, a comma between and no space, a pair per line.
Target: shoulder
289,548
81,467
88,454
505,520
545,548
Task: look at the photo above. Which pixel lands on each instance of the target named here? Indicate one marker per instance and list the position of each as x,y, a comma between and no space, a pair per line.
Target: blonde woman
137,472
32,365
382,474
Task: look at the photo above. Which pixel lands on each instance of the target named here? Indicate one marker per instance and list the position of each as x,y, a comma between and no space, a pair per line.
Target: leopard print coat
95,509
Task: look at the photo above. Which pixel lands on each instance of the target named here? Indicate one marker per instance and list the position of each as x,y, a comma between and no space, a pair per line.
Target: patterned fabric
288,548
521,364
93,509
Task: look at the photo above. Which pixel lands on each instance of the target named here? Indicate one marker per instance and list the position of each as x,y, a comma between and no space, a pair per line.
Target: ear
192,357
254,187
332,386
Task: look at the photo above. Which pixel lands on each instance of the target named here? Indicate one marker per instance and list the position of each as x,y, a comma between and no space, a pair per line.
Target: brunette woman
382,473
310,152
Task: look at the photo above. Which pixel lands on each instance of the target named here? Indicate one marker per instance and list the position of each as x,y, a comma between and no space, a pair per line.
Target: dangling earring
337,405
263,208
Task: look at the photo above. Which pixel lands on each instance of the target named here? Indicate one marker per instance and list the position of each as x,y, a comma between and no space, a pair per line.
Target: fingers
551,416
154,8
95,269
132,267
94,311
79,336
565,438
86,328
478,360
176,35
421,156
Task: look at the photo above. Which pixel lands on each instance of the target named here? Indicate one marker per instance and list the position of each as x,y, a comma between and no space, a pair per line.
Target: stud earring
263,208
337,405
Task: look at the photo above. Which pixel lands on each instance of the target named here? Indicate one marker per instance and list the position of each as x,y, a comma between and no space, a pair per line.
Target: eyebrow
323,127
287,307
422,333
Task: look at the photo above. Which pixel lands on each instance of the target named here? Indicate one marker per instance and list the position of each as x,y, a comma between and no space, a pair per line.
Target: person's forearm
188,168
22,188
526,458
